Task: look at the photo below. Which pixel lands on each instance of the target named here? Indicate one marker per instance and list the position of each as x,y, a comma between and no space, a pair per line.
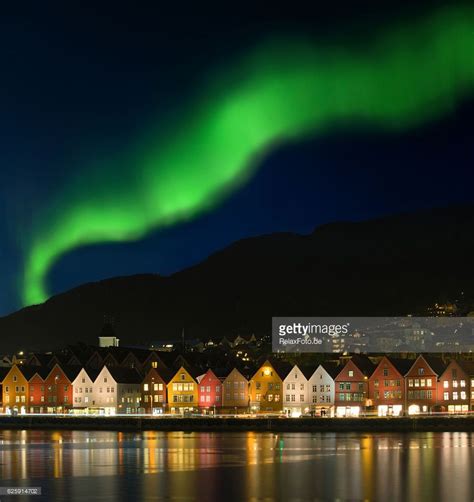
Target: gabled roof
332,368
165,374
365,365
467,366
42,372
43,359
29,371
71,371
92,373
401,365
125,375
4,370
435,363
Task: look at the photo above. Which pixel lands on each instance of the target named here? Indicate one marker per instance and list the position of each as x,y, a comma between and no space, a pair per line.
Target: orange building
266,389
15,390
183,392
236,393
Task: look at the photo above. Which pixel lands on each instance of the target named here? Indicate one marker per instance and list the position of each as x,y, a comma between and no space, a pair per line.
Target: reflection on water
82,465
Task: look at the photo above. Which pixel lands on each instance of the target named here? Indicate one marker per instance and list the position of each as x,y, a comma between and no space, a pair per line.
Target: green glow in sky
282,92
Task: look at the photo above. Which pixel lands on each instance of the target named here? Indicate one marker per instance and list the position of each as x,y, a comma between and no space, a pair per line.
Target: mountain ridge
391,265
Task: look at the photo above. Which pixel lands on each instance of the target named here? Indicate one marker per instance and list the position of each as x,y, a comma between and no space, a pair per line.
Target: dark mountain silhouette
389,266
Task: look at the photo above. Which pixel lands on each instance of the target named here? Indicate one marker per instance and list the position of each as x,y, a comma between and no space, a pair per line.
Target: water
115,466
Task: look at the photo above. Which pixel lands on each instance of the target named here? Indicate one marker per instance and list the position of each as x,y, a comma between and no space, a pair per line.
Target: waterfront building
15,388
117,390
387,386
421,384
58,388
295,393
322,389
266,388
235,393
210,393
37,390
83,390
183,392
154,391
454,387
352,387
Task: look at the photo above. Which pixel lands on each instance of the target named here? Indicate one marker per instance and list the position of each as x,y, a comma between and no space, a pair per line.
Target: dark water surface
115,466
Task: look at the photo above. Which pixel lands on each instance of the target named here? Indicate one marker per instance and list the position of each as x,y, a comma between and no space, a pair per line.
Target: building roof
332,368
125,375
436,363
28,371
401,365
4,372
467,366
365,365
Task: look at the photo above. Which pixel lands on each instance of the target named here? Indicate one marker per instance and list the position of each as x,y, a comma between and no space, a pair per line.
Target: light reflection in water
154,465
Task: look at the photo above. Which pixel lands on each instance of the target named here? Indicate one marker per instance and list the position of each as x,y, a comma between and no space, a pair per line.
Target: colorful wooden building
352,387
266,389
387,386
421,384
183,392
210,393
236,393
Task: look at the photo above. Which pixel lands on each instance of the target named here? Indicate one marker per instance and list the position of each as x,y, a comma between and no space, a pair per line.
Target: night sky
80,85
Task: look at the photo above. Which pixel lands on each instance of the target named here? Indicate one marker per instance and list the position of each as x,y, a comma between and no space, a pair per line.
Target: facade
83,390
154,392
183,392
117,391
352,387
210,393
236,393
58,386
454,388
37,391
322,389
295,393
387,386
266,390
421,385
15,389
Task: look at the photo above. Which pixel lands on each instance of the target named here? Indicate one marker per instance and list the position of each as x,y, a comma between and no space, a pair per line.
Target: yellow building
183,392
266,390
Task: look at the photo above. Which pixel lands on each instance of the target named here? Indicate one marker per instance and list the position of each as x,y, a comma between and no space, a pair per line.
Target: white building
322,389
83,390
295,393
115,390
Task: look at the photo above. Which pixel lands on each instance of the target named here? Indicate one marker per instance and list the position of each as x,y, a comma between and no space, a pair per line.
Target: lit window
350,373
446,384
446,396
145,387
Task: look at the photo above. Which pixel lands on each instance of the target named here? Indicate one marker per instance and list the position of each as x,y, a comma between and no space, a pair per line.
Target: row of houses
349,387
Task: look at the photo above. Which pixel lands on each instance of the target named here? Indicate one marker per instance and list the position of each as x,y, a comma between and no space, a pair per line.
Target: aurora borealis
281,92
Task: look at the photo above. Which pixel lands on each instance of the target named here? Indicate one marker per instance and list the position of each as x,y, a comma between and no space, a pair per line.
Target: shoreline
376,424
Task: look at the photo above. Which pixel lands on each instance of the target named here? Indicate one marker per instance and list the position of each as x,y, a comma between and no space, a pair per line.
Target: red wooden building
387,386
352,386
58,388
454,387
37,390
421,384
210,392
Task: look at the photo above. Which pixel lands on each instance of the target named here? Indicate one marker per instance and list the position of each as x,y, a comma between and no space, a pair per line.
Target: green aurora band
282,92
